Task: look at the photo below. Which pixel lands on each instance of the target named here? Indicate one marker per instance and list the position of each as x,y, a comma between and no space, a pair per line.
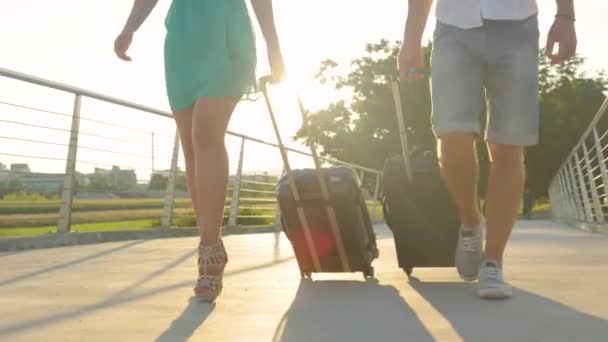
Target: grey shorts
501,57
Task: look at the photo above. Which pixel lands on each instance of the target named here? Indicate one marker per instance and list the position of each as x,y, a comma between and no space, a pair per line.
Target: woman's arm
264,13
139,13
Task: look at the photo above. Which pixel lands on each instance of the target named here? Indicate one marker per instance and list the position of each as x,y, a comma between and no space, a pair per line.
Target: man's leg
503,197
459,166
512,89
458,161
457,81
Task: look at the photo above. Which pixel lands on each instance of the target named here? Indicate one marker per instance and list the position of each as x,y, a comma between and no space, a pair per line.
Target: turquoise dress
209,50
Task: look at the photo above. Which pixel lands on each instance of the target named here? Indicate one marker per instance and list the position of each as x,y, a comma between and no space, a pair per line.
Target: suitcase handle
329,209
405,150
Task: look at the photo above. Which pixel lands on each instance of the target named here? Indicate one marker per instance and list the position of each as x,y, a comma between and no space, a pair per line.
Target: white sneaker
468,252
491,283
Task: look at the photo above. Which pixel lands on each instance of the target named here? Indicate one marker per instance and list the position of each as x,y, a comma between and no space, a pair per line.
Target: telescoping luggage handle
402,133
331,214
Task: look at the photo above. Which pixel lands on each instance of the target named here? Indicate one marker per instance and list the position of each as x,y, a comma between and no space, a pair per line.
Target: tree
181,182
362,128
569,99
15,186
158,182
99,182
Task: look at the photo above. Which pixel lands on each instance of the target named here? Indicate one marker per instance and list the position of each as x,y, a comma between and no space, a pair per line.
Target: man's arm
565,8
417,15
562,33
411,56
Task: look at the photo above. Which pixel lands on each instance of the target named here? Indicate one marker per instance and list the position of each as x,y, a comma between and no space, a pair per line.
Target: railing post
152,152
555,200
583,188
599,216
571,179
567,209
167,218
236,188
278,226
375,205
601,161
67,197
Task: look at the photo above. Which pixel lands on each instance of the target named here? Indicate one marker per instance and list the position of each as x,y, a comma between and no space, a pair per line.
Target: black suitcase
417,205
324,214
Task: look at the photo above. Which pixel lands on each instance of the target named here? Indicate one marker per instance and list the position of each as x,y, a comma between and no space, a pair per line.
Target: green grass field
18,218
82,227
50,207
26,218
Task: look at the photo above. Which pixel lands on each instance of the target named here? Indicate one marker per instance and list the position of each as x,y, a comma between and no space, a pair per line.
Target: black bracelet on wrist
564,15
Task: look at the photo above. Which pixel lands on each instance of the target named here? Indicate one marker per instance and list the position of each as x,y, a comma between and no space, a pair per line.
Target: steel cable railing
250,197
578,192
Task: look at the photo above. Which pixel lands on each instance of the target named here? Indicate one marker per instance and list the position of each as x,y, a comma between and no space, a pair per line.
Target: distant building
41,182
37,182
20,168
167,173
4,173
5,176
117,178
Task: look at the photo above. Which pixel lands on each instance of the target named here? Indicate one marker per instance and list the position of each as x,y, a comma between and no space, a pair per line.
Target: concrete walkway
140,291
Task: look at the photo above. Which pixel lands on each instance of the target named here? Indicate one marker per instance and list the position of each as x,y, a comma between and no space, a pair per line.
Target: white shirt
467,14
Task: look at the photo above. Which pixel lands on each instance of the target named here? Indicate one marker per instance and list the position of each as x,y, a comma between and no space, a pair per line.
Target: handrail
598,115
579,189
97,96
79,91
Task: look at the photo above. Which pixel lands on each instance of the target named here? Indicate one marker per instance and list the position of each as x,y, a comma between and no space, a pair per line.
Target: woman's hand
277,65
122,44
264,13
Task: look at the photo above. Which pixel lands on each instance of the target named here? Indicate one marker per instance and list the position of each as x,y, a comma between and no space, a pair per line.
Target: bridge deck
140,291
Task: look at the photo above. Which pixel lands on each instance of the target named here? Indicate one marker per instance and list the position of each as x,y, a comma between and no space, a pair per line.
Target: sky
71,41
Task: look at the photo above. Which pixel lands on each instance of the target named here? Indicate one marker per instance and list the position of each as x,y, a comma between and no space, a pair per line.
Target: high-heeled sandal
209,286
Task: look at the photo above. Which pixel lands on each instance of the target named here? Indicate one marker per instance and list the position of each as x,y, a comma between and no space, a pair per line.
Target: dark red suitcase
324,214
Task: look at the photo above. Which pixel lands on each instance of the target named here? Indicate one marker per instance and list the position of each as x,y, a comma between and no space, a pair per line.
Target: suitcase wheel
408,271
306,275
368,272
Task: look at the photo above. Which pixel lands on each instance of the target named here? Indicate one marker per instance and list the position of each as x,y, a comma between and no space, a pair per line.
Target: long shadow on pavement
128,295
525,317
191,319
70,263
349,311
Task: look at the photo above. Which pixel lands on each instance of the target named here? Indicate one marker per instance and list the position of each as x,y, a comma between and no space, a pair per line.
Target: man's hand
122,44
563,33
411,62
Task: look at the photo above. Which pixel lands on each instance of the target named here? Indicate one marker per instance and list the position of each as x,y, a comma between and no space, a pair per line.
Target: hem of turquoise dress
177,105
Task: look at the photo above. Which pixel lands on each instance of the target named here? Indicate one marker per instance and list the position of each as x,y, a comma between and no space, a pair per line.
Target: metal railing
241,187
578,192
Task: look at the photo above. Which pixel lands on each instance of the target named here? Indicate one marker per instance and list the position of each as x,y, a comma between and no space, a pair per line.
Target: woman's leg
183,119
210,119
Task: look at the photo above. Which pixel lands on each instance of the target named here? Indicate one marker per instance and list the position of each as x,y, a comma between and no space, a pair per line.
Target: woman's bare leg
210,119
183,119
